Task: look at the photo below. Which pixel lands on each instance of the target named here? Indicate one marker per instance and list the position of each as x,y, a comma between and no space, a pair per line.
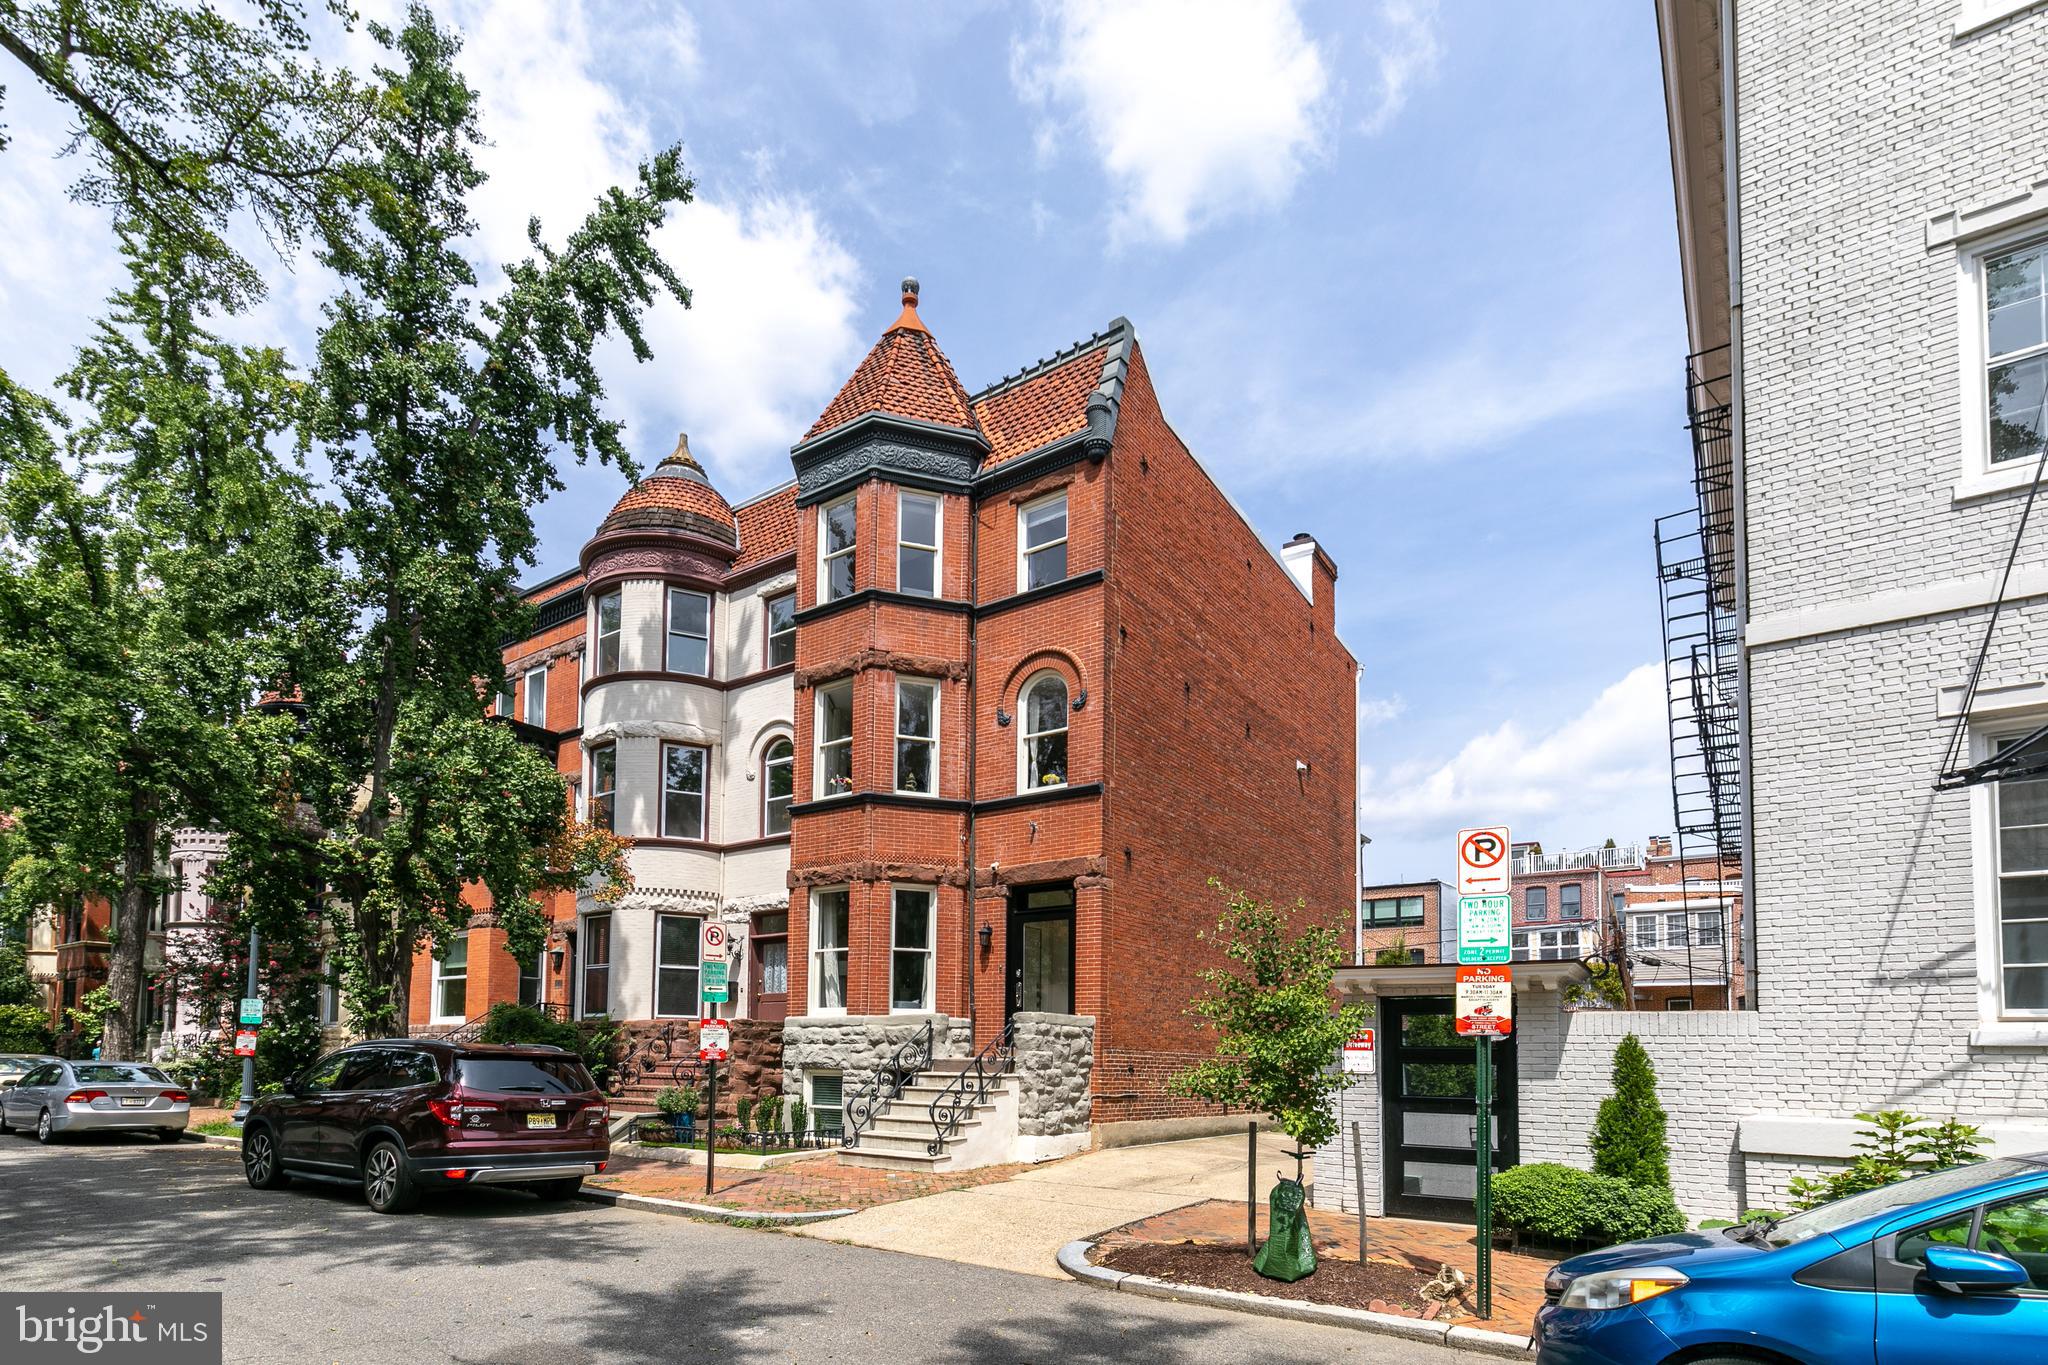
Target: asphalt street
312,1275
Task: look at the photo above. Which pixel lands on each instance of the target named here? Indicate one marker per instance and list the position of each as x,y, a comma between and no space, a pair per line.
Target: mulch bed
1376,1285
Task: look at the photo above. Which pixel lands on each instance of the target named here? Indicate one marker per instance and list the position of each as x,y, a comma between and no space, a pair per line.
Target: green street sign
252,1010
1483,930
717,981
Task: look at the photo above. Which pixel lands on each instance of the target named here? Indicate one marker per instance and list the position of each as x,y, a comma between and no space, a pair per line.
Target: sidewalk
1021,1223
799,1187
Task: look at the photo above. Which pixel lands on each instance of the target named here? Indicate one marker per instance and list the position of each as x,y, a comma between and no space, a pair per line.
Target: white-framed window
836,537
1042,733
778,784
604,786
537,697
1642,931
912,932
607,631
451,981
576,798
330,994
1678,1004
682,790
507,696
2004,351
596,993
830,922
835,739
1545,945
531,985
1042,542
917,544
2019,856
781,610
678,940
828,1117
579,691
917,736
689,633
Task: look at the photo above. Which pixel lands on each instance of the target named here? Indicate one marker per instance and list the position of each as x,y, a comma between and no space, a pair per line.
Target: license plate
540,1120
133,1101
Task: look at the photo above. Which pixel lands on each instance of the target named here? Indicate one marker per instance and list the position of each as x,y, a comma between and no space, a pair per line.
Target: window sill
2011,1033
1984,483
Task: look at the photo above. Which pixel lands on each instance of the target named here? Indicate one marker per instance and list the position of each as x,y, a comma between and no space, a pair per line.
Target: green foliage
1628,1134
218,1128
743,1112
186,118
1395,954
678,1100
88,1018
24,1028
592,1040
796,1114
1565,1204
1601,989
17,987
768,1114
1276,1031
1894,1144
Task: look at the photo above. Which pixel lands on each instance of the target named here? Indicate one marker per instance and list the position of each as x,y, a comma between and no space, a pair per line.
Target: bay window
597,965
835,740
917,737
451,980
910,948
917,544
609,632
836,543
829,923
682,790
781,630
689,633
678,940
604,786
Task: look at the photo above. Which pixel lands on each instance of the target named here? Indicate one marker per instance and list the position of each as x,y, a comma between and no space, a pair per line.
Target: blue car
1951,1266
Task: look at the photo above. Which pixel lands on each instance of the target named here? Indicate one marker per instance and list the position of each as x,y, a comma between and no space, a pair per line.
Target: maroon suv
405,1115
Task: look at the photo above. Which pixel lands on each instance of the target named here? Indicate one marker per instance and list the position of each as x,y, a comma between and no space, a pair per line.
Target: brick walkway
800,1187
1517,1280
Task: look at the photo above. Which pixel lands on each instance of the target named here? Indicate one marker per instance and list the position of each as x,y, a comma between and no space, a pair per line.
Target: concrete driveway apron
1021,1224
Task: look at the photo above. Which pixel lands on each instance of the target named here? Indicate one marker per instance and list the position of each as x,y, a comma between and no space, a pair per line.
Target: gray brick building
1862,198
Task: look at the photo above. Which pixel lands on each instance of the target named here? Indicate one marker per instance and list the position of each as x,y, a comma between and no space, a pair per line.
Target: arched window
1043,760
778,784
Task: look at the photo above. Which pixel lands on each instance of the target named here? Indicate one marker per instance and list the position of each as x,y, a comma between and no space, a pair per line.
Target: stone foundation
1055,1054
855,1045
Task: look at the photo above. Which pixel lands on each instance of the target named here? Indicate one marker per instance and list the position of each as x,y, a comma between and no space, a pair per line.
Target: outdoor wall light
988,936
555,959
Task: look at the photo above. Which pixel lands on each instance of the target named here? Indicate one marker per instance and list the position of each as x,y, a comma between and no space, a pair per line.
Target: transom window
1385,910
917,737
678,940
537,697
607,613
910,952
2016,350
917,544
835,739
451,979
836,537
1536,903
828,950
1043,737
682,791
689,632
604,786
2022,807
1042,542
778,776
781,629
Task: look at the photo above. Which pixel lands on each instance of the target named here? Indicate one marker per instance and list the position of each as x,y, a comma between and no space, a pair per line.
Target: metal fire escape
1696,590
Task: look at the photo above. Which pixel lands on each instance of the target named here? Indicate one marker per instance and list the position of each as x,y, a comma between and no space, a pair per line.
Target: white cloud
1405,53
1604,771
1196,109
1380,710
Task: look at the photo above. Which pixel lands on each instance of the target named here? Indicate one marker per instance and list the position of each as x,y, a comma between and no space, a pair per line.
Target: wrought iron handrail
965,1092
471,1028
669,1055
911,1058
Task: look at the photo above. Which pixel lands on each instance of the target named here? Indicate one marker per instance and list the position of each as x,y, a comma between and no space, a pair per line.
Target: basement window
828,1118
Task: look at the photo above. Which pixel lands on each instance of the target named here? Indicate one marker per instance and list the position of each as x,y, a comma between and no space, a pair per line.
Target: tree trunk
124,1036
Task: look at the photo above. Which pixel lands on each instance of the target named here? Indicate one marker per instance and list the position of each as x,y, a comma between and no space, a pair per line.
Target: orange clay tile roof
906,375
674,495
1022,416
767,527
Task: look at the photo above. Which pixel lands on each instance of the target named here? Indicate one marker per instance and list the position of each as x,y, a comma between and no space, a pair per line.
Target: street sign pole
711,1126
249,1063
1484,1198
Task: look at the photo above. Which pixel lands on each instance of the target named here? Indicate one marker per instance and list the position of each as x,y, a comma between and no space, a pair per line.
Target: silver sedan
80,1097
15,1065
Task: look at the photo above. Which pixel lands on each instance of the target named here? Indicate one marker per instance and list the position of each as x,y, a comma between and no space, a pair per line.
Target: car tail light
601,1165
177,1097
84,1096
455,1175
457,1107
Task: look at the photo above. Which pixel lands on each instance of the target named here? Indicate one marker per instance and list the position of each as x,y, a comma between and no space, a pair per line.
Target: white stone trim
1992,698
1904,604
672,732
1832,1137
1964,221
1972,15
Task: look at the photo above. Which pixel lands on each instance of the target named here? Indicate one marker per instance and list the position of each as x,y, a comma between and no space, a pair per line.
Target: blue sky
1405,275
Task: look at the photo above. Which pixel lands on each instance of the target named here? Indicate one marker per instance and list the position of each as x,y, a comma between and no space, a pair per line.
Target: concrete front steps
900,1136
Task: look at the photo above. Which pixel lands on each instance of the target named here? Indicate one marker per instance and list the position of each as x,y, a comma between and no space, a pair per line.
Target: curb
1073,1258
215,1140
677,1208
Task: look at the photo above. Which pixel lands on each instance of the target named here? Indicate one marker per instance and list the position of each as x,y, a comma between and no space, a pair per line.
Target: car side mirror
1966,1272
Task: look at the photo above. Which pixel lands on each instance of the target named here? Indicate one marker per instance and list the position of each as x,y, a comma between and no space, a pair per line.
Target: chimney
1315,573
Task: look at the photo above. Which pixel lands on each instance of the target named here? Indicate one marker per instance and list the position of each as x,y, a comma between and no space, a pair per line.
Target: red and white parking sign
245,1044
714,1040
1485,1006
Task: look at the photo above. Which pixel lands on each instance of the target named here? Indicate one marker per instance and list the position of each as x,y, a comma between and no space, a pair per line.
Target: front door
1429,1126
1042,951
770,945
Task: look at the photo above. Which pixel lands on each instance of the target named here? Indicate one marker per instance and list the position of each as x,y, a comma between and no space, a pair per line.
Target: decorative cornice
883,660
819,805
871,870
674,732
566,649
866,596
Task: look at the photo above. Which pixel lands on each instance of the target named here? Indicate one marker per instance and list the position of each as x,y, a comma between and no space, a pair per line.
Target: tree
440,417
155,576
1277,1034
1628,1134
187,117
1395,954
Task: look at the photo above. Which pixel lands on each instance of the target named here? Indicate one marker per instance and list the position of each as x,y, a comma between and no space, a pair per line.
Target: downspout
973,726
1732,162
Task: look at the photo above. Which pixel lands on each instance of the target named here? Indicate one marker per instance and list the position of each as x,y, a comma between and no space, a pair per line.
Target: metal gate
1429,1126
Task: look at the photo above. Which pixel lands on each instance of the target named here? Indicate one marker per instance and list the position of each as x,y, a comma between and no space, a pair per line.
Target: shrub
678,1100
743,1112
769,1114
1895,1144
1565,1204
1628,1135
24,1028
593,1040
796,1115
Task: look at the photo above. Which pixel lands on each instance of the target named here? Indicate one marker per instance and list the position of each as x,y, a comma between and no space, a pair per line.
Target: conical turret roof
905,375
